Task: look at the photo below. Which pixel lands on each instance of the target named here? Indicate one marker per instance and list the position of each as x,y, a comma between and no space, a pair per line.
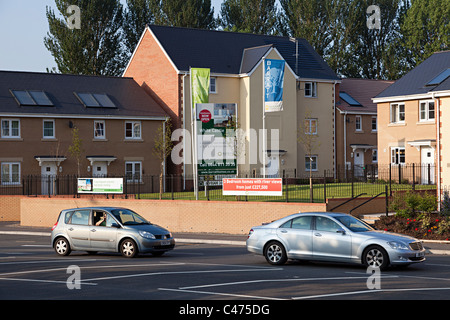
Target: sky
23,26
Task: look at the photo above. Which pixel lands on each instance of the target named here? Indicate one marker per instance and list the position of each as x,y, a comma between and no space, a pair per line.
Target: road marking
221,294
45,281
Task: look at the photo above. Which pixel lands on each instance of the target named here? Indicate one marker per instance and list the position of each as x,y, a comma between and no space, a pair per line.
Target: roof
127,97
361,90
233,52
415,82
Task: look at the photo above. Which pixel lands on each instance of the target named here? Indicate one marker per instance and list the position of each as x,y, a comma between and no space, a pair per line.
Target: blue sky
23,26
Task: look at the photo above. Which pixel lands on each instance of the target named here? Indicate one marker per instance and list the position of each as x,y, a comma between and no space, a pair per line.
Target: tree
251,16
96,47
76,148
186,13
426,29
162,148
137,15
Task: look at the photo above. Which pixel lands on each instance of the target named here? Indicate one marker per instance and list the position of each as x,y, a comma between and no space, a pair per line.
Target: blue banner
273,85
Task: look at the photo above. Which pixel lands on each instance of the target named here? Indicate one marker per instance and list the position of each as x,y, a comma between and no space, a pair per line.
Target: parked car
108,229
332,237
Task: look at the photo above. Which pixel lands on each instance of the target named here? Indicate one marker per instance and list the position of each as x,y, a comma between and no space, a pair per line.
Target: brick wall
10,208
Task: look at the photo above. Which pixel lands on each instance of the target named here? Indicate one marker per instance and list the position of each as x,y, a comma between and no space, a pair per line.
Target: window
358,123
439,78
80,217
374,124
374,156
426,111
32,98
311,163
212,85
10,173
325,224
100,100
311,89
311,126
133,130
349,99
10,128
302,223
99,130
398,155
48,129
133,170
397,113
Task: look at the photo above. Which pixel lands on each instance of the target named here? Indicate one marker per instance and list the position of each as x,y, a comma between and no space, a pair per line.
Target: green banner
200,85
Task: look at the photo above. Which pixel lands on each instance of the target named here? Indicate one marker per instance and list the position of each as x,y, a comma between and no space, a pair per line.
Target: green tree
426,29
186,13
76,148
252,16
96,48
162,148
137,15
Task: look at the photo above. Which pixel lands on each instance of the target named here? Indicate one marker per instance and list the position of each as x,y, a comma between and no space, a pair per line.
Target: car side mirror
115,225
340,231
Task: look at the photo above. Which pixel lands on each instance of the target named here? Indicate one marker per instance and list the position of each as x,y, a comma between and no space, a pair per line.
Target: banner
100,185
252,187
273,85
200,85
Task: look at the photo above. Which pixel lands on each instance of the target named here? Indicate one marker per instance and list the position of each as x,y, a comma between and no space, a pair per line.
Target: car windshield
128,217
354,224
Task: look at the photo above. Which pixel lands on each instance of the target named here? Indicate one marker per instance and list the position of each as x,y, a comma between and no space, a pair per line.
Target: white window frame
374,155
53,129
395,114
309,125
9,135
395,160
10,173
374,122
358,123
426,110
133,137
103,129
211,85
133,171
311,92
315,161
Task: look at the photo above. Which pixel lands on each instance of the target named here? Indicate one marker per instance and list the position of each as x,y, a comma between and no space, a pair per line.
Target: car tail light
250,233
54,226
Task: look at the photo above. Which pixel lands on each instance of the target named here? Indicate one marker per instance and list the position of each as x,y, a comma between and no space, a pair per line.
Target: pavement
14,227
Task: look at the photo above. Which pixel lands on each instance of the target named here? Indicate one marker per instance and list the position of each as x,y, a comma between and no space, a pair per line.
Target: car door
78,229
103,235
329,240
297,236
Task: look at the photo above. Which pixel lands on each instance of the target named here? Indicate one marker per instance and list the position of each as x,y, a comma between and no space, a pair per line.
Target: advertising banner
200,85
100,185
273,85
216,145
252,186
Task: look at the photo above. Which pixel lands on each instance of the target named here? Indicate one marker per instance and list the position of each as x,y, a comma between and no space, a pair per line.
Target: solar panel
439,78
95,100
349,99
32,98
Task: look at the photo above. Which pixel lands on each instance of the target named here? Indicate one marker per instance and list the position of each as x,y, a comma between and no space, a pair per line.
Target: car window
302,223
102,218
354,224
128,217
298,223
80,217
326,224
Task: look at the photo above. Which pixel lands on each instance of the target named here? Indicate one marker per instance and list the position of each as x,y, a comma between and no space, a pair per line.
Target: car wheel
128,248
275,253
62,247
376,257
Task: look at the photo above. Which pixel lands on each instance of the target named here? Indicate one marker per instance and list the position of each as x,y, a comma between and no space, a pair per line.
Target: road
29,269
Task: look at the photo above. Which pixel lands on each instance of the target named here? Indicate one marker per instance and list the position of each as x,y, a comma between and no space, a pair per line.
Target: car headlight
398,245
147,235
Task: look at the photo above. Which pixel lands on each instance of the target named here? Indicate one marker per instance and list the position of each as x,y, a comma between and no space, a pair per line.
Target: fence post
171,185
353,174
324,186
414,177
286,185
390,179
387,200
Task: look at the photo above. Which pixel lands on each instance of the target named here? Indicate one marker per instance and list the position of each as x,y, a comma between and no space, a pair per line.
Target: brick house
161,65
356,124
115,118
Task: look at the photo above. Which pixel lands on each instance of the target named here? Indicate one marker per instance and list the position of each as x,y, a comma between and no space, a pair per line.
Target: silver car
332,237
108,229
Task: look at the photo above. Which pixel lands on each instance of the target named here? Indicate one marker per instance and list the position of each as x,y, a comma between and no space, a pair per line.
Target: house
412,119
161,64
357,125
115,118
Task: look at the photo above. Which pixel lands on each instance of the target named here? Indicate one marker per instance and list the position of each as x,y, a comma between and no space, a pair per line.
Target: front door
358,158
273,166
427,163
48,177
100,169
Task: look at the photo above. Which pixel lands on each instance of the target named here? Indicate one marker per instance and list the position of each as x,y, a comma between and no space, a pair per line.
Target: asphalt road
29,269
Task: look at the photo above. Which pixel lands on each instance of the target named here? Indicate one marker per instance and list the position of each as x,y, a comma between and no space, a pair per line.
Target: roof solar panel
439,78
349,99
31,98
